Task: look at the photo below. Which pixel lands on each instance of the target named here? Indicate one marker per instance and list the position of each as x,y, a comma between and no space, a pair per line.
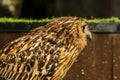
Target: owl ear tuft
67,25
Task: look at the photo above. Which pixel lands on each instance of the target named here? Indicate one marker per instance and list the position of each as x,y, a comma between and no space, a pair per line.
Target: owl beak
88,33
89,36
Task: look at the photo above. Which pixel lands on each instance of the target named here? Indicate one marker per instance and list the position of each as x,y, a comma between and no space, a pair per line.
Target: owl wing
21,43
30,57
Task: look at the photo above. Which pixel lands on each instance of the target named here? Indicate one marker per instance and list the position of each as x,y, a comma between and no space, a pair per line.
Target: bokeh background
55,8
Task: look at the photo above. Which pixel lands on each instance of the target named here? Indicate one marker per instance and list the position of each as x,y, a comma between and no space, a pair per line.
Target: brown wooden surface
8,37
99,61
116,56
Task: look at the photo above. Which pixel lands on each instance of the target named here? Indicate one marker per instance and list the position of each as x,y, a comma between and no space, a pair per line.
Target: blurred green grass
92,20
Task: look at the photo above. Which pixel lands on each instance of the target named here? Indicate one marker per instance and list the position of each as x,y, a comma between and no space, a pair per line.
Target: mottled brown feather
45,53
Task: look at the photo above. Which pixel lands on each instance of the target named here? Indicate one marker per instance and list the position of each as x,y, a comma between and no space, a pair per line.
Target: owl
45,53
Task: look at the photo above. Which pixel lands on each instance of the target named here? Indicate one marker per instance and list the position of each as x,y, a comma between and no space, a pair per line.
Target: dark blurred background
37,9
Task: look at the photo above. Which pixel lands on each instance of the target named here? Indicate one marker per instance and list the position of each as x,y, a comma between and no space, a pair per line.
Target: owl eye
84,27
